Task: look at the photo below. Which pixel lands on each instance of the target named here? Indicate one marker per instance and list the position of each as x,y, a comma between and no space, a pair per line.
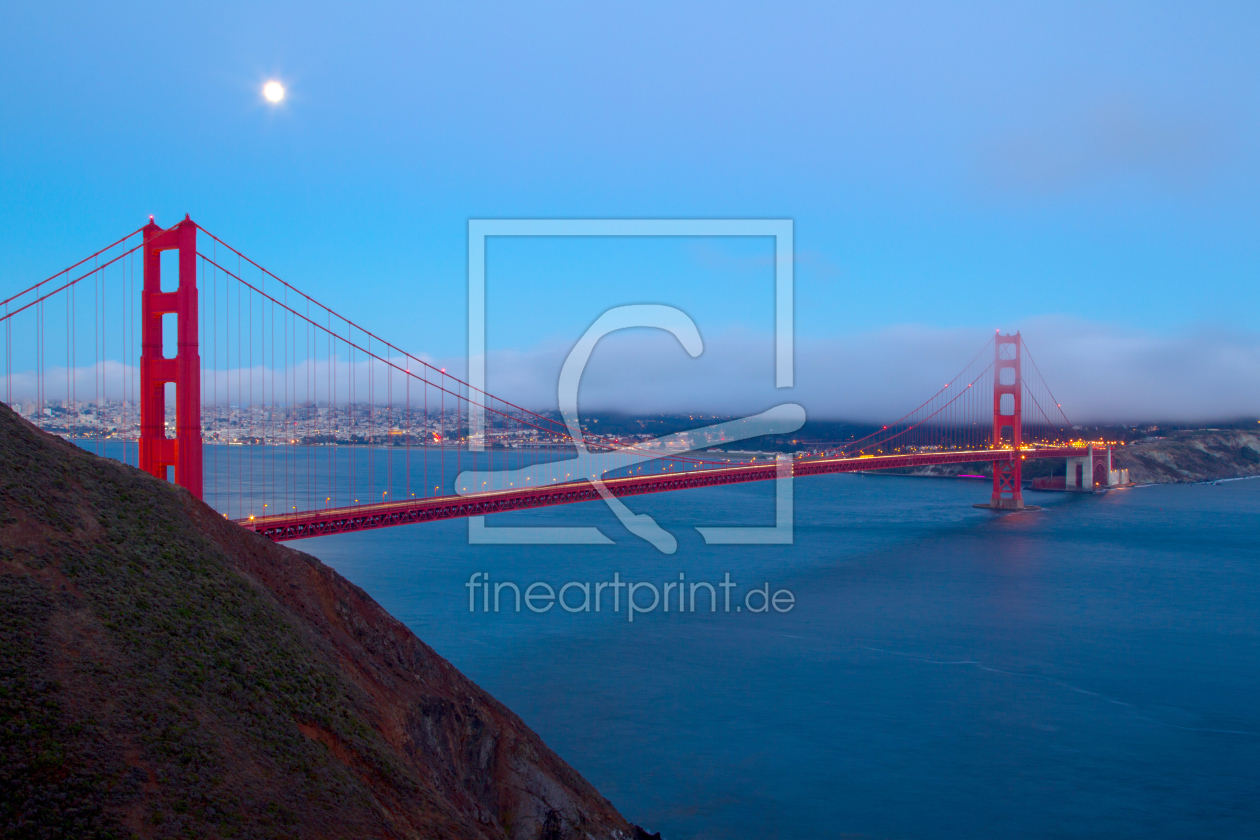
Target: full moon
273,92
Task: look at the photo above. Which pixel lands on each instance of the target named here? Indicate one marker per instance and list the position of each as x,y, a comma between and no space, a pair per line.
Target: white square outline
784,354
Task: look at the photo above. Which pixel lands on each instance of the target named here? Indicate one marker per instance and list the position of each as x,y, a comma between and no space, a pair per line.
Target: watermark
639,597
782,419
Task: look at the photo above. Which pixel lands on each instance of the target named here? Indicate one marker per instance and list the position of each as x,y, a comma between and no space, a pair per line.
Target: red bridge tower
1007,391
157,451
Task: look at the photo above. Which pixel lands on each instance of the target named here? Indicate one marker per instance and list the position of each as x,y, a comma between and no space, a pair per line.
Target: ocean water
1089,670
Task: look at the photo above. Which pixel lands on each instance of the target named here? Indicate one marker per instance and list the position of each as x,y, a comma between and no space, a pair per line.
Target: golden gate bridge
308,423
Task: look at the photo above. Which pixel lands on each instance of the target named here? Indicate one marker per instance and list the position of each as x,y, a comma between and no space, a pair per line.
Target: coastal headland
165,673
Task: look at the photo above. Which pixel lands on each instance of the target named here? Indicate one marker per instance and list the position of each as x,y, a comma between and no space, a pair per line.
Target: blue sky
951,168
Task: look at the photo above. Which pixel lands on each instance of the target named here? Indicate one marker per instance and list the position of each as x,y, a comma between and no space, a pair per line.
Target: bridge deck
315,523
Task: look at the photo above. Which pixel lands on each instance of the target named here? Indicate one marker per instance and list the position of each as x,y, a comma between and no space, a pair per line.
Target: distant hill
1204,455
1179,457
165,673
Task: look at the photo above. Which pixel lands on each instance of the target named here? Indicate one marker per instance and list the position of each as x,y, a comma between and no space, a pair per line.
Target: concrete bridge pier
1093,471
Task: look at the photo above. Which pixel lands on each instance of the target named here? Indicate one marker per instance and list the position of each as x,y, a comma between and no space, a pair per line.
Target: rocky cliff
1206,455
1192,456
164,673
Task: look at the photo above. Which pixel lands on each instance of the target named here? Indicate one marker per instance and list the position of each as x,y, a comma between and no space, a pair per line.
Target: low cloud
1098,372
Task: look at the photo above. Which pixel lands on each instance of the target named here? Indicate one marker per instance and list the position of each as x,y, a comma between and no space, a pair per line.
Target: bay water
1088,670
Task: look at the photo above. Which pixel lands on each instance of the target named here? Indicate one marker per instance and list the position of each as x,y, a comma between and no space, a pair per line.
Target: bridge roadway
316,523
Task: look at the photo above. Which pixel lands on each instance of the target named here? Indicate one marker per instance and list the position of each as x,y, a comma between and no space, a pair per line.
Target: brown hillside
1205,455
164,673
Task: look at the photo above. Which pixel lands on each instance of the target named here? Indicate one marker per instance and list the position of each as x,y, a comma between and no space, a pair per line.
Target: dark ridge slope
164,673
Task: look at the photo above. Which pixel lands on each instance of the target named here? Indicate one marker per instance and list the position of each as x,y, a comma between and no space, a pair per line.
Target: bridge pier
1093,471
1087,472
1079,475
